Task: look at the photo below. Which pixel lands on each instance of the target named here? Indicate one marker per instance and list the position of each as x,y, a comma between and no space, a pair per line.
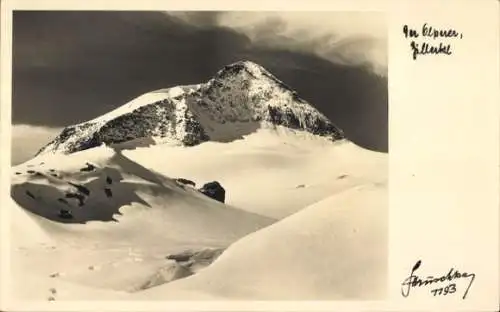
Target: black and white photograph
199,155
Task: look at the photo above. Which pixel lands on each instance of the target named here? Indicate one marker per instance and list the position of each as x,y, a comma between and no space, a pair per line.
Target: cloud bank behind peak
347,38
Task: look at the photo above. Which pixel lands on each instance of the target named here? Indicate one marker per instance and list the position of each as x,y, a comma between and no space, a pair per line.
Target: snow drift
333,250
142,219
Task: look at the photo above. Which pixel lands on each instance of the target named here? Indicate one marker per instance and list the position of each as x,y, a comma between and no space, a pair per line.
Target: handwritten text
430,40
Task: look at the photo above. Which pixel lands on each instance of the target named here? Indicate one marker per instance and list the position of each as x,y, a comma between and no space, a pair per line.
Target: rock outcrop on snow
214,190
184,181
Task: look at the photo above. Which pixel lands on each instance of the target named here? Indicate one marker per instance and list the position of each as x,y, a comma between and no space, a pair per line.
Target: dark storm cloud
350,38
73,66
197,18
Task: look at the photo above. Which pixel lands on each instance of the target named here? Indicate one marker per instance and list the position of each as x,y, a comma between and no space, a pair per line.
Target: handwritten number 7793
443,291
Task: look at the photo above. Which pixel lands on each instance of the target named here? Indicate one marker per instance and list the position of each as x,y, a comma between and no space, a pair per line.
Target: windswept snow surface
335,249
118,242
304,218
273,172
100,213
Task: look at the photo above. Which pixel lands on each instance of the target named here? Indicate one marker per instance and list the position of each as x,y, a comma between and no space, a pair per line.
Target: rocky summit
240,98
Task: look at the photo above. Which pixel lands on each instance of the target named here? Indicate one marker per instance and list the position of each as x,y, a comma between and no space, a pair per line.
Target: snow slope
118,242
117,248
335,249
304,214
272,172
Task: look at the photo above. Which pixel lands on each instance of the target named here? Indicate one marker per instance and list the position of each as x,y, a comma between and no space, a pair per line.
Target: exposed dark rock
18,173
82,189
214,190
343,176
30,194
203,258
195,260
79,197
65,214
185,181
166,274
283,117
301,186
62,200
184,264
182,256
108,192
89,167
195,134
81,143
31,171
109,180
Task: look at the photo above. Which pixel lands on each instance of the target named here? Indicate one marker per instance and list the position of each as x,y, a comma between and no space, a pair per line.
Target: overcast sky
69,67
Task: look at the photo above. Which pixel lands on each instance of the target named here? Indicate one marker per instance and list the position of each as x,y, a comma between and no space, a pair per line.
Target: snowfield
118,207
332,250
304,218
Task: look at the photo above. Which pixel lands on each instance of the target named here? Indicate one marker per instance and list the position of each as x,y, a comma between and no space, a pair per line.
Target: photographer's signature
441,286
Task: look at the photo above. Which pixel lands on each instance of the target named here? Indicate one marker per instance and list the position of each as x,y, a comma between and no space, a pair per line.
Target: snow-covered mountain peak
247,71
241,98
240,67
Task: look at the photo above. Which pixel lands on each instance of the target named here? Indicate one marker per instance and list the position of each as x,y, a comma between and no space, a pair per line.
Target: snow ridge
242,93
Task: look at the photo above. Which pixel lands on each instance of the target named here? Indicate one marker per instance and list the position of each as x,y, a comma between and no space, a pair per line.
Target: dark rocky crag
214,190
